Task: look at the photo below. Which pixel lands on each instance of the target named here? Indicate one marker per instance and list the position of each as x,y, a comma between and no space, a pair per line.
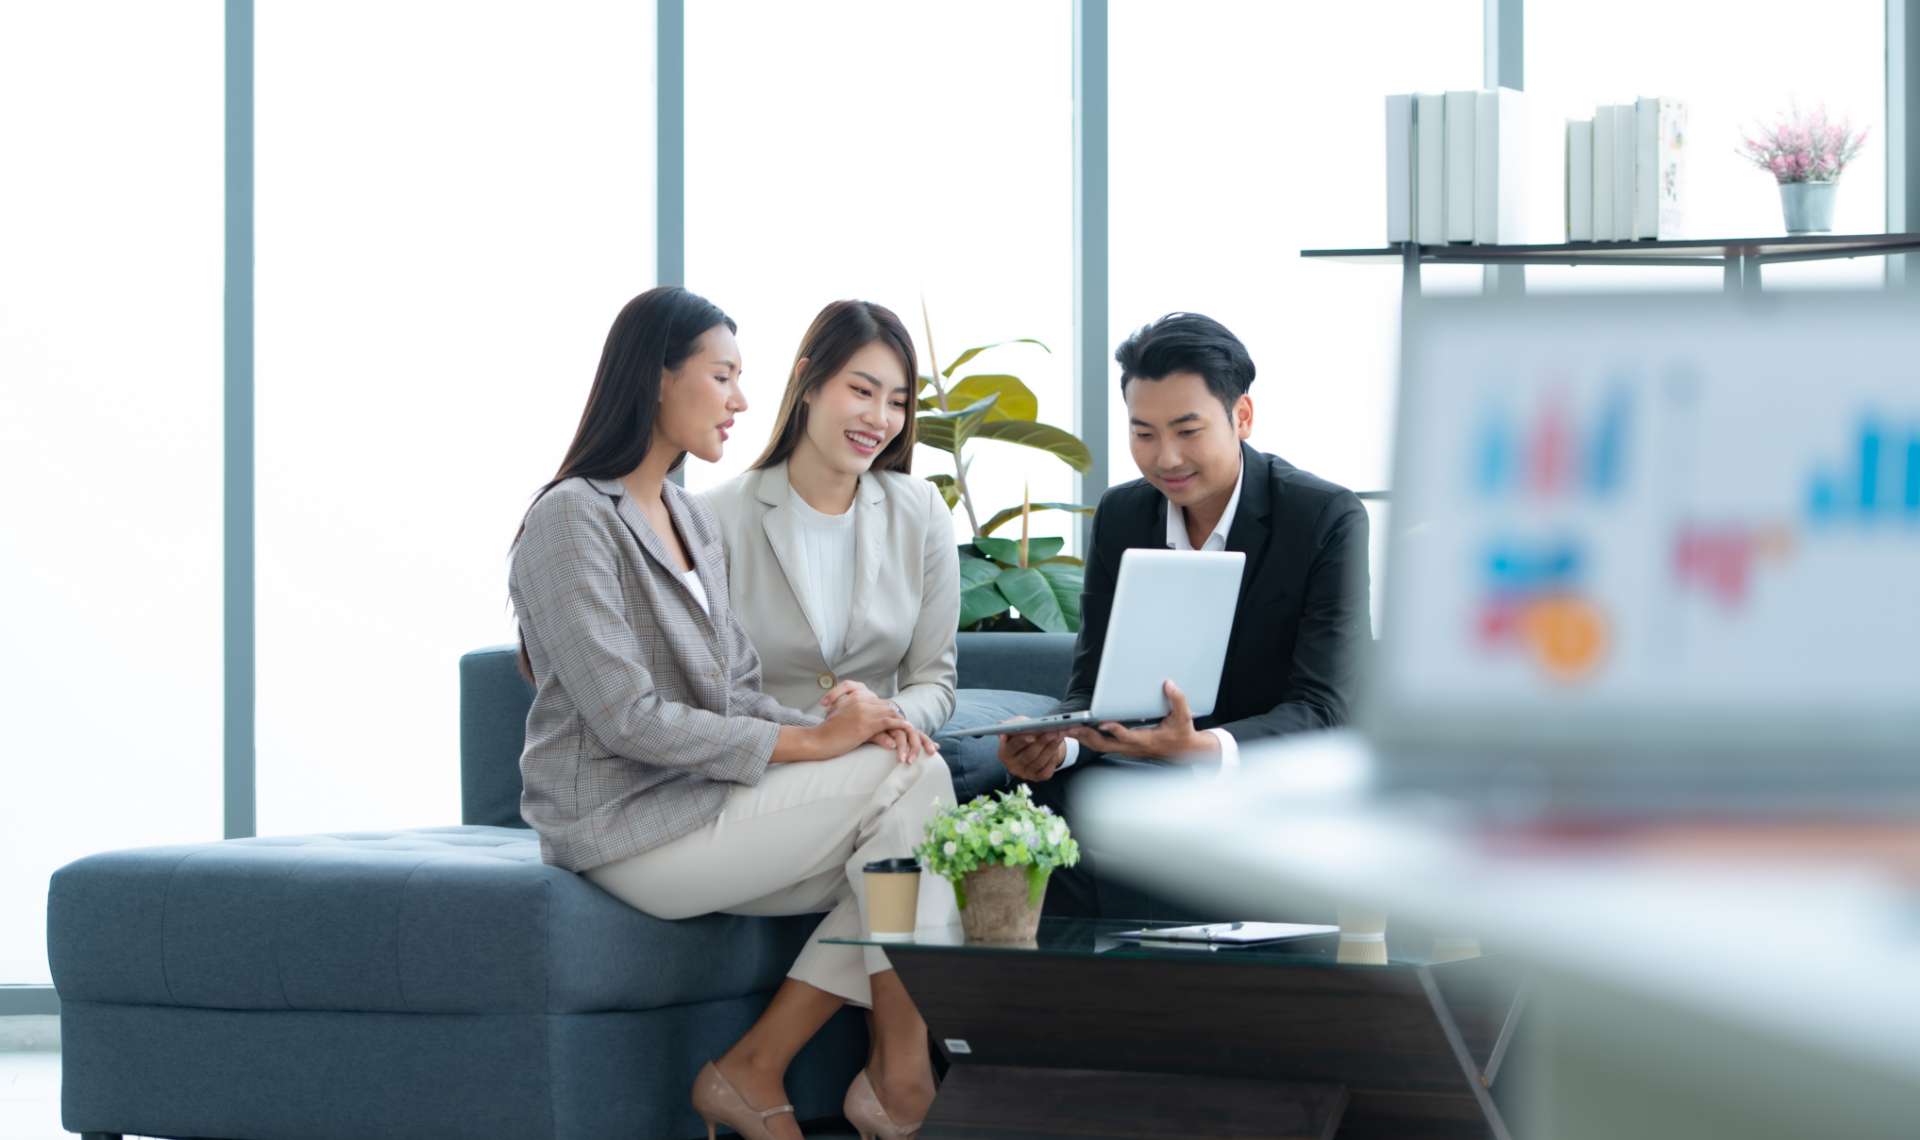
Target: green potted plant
998,852
1002,577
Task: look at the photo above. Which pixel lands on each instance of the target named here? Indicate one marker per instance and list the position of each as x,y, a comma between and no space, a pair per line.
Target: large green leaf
980,603
1033,596
978,349
976,571
1017,401
1067,581
1007,550
1041,549
949,490
1012,513
1044,437
1002,550
949,431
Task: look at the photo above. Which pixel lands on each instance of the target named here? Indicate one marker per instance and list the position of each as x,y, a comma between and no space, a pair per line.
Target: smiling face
855,413
1183,438
699,399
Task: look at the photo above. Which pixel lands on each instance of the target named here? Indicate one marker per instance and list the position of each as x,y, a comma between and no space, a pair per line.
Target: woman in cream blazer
841,564
658,767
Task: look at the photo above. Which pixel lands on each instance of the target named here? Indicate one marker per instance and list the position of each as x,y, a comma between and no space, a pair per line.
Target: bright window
454,201
110,430
1732,66
888,152
1242,133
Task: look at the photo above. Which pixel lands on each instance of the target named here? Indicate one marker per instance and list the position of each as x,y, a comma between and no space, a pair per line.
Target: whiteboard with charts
1679,515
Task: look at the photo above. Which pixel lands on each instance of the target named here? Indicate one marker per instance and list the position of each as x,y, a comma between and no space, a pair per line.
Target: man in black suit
1302,623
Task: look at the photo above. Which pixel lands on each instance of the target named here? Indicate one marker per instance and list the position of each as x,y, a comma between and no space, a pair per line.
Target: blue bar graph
1823,499
1869,467
1496,470
1910,503
1884,479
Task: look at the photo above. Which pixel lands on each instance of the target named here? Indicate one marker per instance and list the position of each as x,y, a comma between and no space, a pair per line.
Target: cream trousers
795,843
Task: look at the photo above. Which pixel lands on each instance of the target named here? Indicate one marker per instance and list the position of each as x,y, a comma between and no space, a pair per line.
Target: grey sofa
439,982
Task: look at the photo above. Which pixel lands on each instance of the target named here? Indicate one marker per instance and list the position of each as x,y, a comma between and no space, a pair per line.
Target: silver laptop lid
1172,617
1636,525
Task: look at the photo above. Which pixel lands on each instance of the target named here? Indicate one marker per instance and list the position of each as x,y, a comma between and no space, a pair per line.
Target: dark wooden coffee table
1082,1034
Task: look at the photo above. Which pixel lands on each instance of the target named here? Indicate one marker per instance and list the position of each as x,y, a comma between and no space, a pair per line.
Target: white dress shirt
827,548
1177,540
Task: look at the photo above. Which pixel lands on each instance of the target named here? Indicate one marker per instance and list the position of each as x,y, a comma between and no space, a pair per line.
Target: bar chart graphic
1613,514
1551,454
1879,481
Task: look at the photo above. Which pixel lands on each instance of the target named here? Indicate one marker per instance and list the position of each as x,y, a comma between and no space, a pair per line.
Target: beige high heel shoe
869,1118
718,1102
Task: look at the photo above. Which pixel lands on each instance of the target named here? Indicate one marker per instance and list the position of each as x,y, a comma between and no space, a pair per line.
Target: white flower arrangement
1007,829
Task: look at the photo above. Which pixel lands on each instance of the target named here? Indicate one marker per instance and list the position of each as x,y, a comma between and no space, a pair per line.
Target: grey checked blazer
906,592
645,709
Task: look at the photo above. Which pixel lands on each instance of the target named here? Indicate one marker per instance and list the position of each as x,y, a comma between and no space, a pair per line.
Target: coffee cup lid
886,866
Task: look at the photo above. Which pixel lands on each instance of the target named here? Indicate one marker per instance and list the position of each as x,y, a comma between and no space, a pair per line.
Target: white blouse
827,547
692,579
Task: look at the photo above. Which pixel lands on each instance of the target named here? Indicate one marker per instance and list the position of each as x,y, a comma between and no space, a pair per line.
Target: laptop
1655,554
1172,615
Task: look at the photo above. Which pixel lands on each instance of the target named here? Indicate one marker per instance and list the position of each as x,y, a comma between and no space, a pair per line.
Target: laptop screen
1669,519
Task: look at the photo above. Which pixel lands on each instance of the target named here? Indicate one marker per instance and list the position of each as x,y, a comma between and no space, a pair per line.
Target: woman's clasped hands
872,720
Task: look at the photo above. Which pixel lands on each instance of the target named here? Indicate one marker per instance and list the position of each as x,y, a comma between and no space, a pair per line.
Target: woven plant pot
998,907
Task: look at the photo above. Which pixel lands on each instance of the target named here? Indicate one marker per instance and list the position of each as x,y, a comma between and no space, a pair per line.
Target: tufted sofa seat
428,983
439,920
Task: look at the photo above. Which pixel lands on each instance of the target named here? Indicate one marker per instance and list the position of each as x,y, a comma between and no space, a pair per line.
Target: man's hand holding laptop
1035,756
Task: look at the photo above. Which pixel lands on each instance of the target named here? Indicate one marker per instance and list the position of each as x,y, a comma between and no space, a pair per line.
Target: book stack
1454,167
1626,172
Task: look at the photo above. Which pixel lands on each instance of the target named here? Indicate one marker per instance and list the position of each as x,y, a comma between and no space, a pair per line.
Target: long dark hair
842,329
654,334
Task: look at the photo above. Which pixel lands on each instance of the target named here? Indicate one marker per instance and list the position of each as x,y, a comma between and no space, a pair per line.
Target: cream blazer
906,593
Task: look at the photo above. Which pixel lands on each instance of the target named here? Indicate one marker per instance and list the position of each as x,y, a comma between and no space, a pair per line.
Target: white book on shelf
1462,110
1623,185
1430,170
1646,168
1603,174
1579,179
1499,141
1399,168
1660,135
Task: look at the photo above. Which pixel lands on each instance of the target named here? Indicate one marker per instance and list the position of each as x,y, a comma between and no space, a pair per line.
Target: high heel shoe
718,1102
869,1118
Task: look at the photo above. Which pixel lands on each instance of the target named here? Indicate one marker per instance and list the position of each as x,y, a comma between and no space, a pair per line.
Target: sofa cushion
1018,662
974,760
437,920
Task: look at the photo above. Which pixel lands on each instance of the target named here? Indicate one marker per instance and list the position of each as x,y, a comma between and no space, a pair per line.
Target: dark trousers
1081,891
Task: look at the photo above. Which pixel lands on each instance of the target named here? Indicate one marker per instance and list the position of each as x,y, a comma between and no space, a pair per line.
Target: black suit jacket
1302,625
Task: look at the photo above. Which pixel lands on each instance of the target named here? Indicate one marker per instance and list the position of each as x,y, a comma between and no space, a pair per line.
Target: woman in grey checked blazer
654,763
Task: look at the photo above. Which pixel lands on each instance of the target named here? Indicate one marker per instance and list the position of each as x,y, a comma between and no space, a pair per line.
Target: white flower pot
1808,206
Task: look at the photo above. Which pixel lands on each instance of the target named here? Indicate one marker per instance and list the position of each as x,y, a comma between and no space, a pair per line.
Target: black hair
655,333
1187,342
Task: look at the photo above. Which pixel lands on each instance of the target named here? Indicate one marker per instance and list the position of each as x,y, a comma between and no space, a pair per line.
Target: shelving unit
1739,259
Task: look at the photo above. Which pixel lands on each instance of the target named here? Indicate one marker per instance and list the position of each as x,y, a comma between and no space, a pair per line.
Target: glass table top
1086,938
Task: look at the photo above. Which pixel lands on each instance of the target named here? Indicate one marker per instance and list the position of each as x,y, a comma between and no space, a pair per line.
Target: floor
30,1097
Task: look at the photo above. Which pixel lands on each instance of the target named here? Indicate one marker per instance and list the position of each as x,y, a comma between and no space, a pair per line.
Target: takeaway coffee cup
1363,937
893,896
